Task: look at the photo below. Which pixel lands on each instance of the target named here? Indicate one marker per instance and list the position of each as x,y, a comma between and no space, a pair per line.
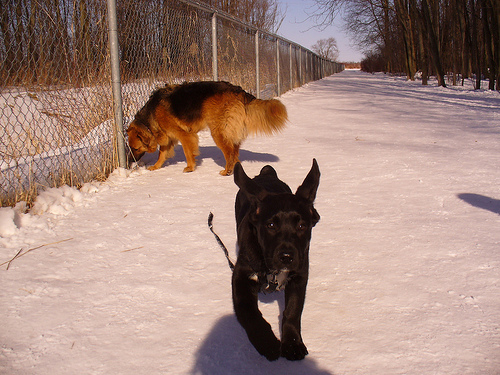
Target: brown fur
177,113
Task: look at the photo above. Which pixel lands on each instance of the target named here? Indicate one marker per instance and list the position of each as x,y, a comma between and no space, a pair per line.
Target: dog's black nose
286,258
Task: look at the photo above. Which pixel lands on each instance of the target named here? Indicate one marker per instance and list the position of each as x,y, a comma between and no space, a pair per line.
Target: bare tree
436,37
264,14
325,11
327,48
433,37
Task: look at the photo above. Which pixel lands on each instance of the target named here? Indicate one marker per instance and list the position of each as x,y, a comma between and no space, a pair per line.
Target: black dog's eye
302,226
271,226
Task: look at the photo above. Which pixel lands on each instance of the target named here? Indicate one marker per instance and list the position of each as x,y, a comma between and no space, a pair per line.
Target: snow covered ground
124,277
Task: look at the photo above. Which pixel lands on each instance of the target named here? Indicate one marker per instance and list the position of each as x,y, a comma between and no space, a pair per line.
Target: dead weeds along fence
59,118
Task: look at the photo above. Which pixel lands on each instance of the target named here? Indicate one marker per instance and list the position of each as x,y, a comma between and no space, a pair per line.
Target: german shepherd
274,231
176,113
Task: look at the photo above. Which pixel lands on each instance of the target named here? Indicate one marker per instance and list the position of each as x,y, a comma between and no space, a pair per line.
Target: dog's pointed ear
310,185
246,184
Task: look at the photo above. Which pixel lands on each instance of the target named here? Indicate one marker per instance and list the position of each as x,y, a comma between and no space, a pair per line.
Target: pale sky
297,28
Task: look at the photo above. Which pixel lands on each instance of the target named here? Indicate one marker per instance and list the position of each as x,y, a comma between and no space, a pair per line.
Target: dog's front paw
265,342
293,350
188,169
272,350
226,172
153,168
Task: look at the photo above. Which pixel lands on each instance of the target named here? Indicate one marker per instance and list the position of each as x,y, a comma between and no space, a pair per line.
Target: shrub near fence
58,122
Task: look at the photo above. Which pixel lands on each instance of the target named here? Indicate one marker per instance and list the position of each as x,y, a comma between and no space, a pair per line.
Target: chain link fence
57,115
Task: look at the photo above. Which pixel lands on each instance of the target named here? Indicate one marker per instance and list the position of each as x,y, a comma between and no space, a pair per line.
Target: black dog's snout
286,255
286,258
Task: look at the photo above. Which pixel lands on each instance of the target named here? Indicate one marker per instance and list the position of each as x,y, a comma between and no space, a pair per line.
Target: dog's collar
273,281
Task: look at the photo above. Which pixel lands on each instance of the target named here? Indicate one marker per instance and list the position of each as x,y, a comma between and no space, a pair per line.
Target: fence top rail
231,18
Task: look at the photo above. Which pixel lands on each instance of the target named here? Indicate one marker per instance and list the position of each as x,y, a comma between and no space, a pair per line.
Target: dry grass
39,152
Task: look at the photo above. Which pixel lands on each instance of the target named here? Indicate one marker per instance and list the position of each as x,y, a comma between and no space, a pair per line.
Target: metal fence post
214,47
257,64
300,66
278,73
291,71
307,66
115,80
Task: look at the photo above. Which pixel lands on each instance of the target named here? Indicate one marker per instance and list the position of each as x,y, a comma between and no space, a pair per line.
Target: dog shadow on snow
209,152
227,351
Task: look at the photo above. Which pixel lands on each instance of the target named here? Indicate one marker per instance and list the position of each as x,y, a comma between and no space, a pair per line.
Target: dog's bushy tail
265,117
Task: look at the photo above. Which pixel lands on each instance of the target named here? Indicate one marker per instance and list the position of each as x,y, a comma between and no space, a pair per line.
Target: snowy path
405,262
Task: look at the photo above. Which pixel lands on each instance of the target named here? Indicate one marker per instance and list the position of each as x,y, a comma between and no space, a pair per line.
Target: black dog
274,230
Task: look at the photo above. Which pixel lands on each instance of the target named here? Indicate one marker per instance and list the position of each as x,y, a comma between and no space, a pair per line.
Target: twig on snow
135,248
20,253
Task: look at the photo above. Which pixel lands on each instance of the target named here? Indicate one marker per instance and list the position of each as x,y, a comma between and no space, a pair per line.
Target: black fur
274,231
187,99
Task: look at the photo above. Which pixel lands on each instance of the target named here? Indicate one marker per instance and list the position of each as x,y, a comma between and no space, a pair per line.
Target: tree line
42,41
458,39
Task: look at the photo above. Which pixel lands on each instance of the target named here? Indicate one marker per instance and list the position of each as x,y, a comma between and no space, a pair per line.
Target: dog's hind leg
232,157
189,144
230,150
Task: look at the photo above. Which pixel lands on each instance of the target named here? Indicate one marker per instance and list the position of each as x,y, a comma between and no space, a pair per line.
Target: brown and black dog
176,113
